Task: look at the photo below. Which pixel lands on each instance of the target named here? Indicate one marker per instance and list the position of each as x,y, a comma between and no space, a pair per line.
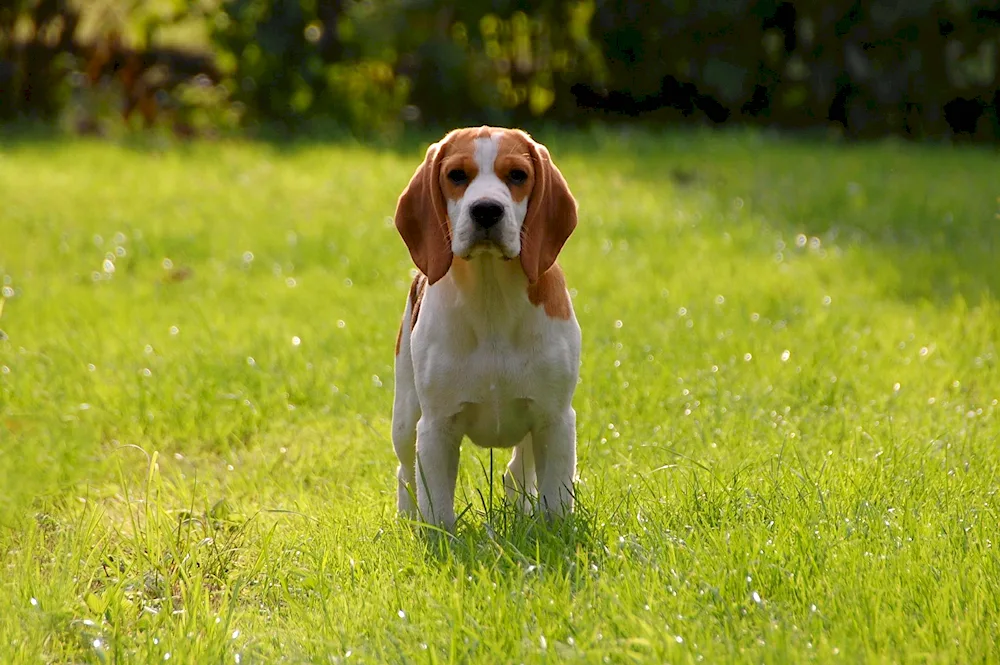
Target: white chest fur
491,360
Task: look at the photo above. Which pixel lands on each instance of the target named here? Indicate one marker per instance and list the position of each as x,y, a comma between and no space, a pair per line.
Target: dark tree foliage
33,61
921,68
913,67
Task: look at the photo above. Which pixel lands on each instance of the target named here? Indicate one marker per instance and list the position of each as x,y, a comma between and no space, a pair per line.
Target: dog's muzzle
486,216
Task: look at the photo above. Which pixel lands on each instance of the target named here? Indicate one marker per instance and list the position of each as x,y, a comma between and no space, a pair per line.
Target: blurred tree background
913,68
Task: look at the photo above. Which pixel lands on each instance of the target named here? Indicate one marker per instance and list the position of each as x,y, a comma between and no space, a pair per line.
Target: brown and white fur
489,346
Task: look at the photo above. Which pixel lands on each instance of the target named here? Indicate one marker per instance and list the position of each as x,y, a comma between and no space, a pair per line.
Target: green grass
788,415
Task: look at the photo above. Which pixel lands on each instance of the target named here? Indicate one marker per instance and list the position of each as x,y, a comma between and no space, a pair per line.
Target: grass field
788,416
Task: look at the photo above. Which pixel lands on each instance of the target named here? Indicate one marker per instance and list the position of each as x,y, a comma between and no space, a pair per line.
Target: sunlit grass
787,420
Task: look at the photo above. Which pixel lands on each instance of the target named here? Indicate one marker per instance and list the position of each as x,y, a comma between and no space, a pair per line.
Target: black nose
486,213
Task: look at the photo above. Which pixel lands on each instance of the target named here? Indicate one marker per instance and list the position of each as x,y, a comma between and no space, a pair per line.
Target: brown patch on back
417,288
550,292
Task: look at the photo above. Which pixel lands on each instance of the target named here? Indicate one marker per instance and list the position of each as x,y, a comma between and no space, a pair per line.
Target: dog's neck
489,285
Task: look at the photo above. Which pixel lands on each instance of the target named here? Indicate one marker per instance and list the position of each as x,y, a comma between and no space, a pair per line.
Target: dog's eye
458,176
517,177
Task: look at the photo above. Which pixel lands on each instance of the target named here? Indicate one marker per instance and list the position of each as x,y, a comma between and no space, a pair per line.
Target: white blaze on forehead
487,149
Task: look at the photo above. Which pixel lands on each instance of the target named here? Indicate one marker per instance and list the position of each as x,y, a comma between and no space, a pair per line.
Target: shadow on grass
510,541
921,220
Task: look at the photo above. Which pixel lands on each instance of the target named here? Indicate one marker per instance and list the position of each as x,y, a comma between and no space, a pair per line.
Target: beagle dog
489,345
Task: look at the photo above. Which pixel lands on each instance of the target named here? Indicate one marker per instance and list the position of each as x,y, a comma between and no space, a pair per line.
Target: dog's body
489,346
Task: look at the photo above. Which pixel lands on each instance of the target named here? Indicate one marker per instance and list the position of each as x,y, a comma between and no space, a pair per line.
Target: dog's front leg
438,444
555,462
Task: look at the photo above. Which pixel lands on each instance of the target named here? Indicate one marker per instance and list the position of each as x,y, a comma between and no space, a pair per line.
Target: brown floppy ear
422,218
551,215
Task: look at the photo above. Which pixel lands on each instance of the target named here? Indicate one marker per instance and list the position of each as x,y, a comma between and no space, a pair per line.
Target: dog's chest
493,385
492,365
499,390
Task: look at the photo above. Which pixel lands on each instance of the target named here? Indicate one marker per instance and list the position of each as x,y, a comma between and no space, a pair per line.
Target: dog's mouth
489,247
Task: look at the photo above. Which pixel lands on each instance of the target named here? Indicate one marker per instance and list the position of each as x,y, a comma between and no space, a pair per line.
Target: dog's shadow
502,536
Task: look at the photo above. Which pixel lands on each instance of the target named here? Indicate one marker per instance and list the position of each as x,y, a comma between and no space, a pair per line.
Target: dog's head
486,190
